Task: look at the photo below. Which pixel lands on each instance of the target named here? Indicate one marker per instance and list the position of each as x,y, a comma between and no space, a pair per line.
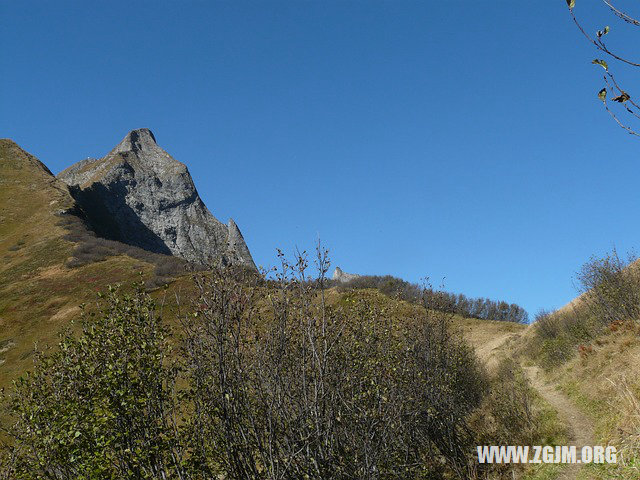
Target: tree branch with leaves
611,87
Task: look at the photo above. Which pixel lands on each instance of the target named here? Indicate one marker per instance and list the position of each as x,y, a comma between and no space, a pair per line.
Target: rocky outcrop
343,277
140,195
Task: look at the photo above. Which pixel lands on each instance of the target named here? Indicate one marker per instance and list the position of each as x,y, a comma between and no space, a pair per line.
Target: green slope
38,294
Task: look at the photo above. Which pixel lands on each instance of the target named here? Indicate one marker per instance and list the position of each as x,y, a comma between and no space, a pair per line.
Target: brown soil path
579,426
490,344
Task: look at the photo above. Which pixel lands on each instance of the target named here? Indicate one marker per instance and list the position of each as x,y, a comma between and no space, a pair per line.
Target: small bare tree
611,288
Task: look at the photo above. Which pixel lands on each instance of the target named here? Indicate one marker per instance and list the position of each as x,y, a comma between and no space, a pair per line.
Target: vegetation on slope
591,348
417,398
39,291
283,380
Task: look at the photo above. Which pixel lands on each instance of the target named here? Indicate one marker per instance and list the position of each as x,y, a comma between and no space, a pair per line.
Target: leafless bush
285,386
546,326
611,288
558,335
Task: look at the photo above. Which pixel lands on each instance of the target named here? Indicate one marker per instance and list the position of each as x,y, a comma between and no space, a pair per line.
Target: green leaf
600,33
571,4
600,62
602,94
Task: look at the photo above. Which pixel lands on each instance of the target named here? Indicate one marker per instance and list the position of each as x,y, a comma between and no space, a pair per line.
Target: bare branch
613,115
599,44
621,14
622,92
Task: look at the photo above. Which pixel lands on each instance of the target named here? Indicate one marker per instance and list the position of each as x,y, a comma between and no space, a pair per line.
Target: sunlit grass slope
38,294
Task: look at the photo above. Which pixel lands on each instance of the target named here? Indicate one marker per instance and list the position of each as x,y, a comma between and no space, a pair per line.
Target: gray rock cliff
140,195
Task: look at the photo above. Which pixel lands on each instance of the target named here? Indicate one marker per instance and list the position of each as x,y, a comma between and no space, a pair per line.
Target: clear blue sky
457,139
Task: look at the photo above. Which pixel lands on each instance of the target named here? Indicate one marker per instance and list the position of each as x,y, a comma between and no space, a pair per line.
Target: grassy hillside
590,351
371,346
38,293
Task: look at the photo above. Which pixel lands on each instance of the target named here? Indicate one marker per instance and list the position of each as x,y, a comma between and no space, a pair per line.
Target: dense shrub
270,382
103,405
610,294
292,388
7,462
611,288
558,334
511,406
547,326
509,415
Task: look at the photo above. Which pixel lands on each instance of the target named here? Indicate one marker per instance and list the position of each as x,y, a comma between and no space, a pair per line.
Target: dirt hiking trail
579,426
490,345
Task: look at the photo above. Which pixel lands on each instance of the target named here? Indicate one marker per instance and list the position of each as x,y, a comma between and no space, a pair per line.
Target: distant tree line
483,308
447,302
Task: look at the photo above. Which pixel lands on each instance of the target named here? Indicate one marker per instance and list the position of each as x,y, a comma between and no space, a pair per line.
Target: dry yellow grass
489,338
602,381
605,383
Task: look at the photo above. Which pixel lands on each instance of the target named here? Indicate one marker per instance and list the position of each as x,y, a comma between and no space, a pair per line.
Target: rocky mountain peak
137,141
140,195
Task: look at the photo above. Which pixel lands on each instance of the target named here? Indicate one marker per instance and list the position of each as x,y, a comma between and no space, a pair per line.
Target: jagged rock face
343,277
140,195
